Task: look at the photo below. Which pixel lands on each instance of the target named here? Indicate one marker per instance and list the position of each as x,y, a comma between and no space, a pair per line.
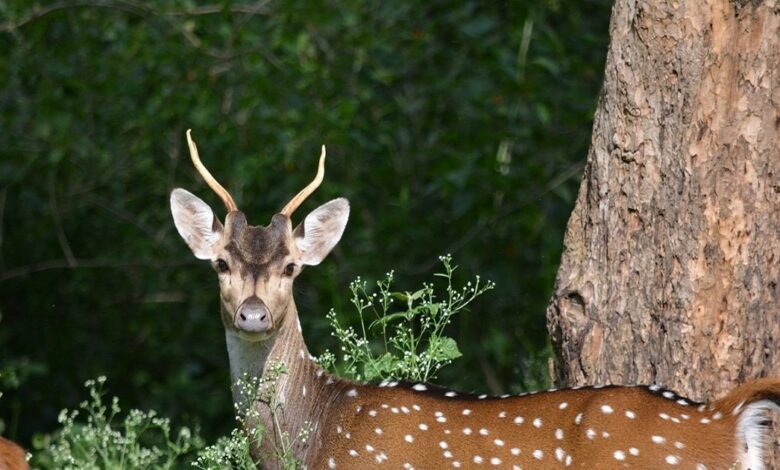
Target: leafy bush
100,441
405,342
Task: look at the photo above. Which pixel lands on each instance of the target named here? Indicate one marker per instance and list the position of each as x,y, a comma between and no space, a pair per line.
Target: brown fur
750,392
12,457
393,412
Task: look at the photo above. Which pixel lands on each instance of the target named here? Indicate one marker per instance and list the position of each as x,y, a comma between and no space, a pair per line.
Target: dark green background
452,127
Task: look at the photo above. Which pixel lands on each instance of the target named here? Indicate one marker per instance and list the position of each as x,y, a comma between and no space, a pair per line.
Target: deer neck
297,391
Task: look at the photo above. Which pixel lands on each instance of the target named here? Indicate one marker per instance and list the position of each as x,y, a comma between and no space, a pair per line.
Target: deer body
360,426
404,425
12,457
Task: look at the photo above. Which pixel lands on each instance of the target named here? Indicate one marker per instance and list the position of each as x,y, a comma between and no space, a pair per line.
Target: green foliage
452,127
405,342
142,440
231,451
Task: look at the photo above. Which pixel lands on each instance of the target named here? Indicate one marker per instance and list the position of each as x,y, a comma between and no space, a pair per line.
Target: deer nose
253,316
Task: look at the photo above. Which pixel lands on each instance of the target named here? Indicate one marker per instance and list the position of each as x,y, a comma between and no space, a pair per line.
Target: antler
210,180
305,192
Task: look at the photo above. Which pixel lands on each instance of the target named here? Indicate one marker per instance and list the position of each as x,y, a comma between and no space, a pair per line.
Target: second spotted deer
419,426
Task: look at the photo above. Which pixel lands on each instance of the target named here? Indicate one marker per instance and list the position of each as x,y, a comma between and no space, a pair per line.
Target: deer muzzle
253,316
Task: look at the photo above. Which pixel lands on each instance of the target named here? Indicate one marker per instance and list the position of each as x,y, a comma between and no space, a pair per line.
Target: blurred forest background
452,126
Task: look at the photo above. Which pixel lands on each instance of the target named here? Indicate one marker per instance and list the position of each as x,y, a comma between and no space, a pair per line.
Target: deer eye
289,269
222,266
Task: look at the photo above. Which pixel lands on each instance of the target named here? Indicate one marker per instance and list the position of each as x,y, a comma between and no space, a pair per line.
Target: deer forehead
256,248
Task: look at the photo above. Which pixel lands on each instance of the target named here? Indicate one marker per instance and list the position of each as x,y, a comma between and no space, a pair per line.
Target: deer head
256,266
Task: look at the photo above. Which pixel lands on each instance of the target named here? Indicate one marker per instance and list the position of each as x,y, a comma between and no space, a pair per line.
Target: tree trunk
672,254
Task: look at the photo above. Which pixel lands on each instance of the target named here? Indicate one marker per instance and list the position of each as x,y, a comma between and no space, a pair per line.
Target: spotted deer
12,457
416,425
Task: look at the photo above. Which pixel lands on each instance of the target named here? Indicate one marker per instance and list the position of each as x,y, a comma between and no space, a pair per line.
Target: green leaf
379,368
443,348
387,319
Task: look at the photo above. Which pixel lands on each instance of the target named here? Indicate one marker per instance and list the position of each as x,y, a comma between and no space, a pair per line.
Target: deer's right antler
230,204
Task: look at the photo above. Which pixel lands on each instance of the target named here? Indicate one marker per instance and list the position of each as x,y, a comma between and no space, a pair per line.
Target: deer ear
196,223
321,230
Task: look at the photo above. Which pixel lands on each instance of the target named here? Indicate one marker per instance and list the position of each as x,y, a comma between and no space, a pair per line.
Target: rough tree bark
671,262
